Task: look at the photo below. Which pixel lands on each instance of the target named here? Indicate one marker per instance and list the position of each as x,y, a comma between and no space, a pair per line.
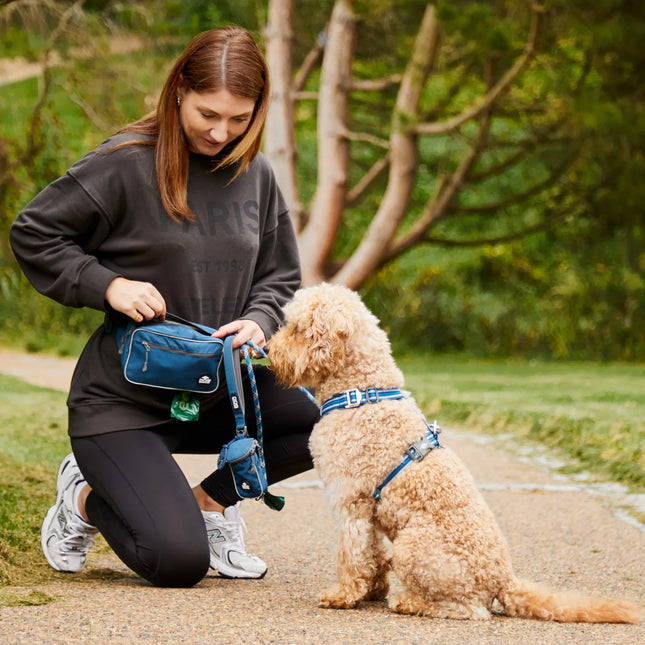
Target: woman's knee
176,563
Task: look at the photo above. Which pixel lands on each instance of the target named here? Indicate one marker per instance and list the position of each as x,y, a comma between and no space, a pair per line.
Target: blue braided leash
273,501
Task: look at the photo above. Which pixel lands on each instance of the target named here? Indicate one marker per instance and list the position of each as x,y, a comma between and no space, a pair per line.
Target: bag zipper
148,346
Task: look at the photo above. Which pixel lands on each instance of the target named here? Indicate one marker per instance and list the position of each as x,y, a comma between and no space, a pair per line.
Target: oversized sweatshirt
104,218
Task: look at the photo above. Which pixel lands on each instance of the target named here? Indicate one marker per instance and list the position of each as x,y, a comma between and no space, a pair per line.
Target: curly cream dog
446,546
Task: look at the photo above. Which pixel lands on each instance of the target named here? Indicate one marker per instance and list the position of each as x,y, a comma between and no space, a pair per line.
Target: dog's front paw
337,598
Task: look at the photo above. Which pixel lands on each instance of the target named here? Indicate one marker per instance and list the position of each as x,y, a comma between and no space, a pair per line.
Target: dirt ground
561,532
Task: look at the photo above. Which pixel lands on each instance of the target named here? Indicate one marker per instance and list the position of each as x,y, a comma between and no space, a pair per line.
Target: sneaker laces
236,525
77,537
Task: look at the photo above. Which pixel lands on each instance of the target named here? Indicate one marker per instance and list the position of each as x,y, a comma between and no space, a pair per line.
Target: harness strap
415,452
354,398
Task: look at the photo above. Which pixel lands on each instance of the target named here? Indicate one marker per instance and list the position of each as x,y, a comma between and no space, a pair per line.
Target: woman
179,213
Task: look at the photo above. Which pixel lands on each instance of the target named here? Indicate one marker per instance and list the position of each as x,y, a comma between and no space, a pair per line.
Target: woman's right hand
138,300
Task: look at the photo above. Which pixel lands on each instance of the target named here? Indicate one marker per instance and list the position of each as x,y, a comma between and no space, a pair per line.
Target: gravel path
559,531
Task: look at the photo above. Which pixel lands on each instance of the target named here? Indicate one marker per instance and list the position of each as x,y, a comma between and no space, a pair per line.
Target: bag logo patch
205,379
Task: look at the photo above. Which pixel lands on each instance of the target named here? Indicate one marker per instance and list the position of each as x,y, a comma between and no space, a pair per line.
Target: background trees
474,167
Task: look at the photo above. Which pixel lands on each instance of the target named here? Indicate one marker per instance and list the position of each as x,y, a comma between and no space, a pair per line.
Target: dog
446,547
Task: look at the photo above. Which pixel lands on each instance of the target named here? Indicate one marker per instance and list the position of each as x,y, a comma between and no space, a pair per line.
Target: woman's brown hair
224,58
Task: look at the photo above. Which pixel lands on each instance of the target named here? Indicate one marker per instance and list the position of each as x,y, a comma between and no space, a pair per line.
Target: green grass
591,414
33,440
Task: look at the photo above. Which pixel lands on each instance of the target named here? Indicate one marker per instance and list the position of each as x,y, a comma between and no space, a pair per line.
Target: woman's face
211,120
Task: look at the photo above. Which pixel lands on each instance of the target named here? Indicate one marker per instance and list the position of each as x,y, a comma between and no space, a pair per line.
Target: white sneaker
65,536
226,543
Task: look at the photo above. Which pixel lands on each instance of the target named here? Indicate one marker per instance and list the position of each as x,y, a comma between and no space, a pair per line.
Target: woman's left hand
245,330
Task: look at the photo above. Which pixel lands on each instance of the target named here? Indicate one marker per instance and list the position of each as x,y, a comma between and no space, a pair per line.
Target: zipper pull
146,345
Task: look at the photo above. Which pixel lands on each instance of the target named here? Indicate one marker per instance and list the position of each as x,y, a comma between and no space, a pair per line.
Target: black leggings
141,501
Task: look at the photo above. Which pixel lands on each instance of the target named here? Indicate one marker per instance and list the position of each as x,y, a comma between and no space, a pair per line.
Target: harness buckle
353,397
419,449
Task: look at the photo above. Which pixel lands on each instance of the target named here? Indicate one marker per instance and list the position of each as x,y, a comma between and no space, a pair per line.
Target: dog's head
325,326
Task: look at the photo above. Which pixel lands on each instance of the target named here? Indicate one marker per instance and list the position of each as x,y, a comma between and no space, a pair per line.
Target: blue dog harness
415,451
355,398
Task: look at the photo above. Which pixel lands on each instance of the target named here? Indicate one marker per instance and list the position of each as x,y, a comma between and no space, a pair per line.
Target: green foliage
36,323
574,289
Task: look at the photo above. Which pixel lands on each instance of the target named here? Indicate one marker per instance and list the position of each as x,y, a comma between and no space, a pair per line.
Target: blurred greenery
33,441
589,413
574,288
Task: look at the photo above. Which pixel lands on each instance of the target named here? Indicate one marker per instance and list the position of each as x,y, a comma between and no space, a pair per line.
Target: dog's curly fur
446,546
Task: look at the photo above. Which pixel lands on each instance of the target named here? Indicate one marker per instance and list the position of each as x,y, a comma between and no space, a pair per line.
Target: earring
178,102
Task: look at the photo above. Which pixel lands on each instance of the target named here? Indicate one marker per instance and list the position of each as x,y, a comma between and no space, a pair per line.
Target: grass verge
589,414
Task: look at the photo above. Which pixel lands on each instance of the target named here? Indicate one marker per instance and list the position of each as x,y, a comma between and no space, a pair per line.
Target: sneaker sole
231,573
240,577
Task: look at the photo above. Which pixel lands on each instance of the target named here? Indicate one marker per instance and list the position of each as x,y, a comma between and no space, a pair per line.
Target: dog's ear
328,328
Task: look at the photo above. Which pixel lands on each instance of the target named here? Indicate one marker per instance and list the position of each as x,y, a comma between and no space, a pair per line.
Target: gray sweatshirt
104,218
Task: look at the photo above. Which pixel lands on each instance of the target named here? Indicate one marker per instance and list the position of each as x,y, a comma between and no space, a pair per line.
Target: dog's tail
529,600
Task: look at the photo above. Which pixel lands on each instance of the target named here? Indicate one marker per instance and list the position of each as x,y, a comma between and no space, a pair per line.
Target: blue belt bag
173,354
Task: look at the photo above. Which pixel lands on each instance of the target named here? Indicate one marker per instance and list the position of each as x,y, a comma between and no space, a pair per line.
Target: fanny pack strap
202,330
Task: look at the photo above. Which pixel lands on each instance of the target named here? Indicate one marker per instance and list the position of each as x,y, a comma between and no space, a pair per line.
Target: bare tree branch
493,94
280,136
518,197
317,240
309,63
377,169
377,84
366,138
437,207
501,239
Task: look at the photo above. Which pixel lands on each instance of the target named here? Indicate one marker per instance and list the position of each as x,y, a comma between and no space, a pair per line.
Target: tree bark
317,240
280,138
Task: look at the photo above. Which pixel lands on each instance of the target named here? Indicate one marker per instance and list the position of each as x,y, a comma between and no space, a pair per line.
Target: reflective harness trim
354,398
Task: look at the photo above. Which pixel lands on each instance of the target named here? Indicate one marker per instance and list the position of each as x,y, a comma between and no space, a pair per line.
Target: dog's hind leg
362,566
438,581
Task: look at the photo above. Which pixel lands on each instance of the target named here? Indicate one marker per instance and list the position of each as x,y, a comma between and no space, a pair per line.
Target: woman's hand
138,300
245,330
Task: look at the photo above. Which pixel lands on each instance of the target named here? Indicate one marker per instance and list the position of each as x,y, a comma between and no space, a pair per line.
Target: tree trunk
317,240
403,159
280,138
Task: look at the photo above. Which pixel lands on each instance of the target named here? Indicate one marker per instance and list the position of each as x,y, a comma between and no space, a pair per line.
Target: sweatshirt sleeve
53,239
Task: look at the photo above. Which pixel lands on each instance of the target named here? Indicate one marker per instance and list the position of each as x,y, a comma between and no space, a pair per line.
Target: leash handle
233,374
